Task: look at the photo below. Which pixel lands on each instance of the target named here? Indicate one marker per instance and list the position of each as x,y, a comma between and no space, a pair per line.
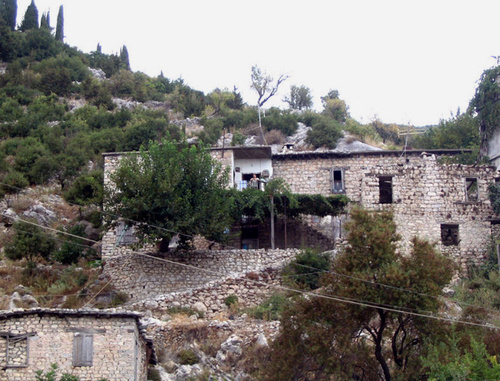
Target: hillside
61,109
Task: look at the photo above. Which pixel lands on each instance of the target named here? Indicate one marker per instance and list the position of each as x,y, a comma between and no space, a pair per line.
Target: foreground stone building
89,344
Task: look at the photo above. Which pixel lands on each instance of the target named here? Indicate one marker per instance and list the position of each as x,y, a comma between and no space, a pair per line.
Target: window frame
333,189
389,197
474,181
9,337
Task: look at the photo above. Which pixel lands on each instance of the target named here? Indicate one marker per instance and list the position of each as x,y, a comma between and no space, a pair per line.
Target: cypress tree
30,20
124,60
60,25
8,12
45,21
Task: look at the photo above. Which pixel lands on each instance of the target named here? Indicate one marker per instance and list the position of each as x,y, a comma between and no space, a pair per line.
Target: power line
335,273
389,308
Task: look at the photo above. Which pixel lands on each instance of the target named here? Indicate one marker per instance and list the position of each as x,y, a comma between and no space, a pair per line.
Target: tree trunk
378,346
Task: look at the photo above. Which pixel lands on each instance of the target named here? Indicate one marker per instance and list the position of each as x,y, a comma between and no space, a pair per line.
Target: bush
280,120
270,309
305,271
187,357
231,300
324,132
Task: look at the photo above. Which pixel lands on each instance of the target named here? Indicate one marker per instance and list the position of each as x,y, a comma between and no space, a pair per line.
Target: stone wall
143,275
426,193
250,289
119,353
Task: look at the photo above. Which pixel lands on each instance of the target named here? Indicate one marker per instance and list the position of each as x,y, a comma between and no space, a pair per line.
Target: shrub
187,357
275,137
270,309
305,271
231,300
324,132
153,374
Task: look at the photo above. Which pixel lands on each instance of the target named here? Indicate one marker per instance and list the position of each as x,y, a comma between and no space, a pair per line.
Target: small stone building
89,344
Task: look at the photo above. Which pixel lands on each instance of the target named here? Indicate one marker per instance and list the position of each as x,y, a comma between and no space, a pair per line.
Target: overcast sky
401,61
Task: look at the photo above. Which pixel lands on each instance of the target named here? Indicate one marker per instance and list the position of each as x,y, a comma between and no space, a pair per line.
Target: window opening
337,181
471,189
83,351
125,234
449,235
385,189
14,350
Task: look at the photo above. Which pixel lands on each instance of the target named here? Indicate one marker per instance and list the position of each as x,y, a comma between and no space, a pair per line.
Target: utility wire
319,270
338,298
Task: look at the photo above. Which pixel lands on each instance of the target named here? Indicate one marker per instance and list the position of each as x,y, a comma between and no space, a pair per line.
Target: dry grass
275,137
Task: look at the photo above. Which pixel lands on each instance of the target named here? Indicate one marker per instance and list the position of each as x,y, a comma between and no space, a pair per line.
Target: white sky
402,61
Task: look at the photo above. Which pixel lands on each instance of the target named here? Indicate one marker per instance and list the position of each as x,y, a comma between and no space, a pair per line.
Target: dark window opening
471,189
249,237
337,181
449,235
385,189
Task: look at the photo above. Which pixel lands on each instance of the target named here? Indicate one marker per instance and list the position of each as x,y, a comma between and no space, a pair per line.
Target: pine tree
60,25
124,60
30,20
8,12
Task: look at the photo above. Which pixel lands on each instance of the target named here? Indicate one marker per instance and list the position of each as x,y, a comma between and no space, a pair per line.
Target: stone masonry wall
114,347
426,194
142,277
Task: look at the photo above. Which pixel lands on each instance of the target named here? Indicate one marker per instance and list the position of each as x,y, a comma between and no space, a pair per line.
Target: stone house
445,203
89,344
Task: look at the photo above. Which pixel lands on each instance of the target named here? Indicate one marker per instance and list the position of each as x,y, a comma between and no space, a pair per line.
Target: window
337,180
385,189
14,350
449,235
125,234
471,189
83,351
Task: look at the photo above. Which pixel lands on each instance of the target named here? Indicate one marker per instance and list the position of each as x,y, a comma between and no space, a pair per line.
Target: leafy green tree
29,242
30,20
460,131
171,188
73,248
334,107
8,12
324,131
486,105
218,101
87,189
372,334
60,24
300,98
13,182
284,121
448,360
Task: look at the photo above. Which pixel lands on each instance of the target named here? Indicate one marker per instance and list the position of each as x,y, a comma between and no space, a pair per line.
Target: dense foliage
171,188
365,306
